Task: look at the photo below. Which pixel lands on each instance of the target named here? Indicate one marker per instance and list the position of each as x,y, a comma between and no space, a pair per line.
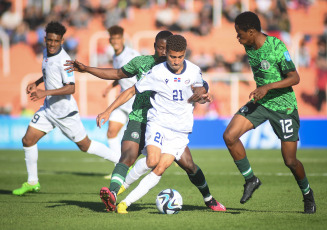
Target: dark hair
248,20
164,34
176,43
56,28
116,30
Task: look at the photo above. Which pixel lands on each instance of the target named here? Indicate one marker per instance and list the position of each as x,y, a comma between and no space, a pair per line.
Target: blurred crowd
174,15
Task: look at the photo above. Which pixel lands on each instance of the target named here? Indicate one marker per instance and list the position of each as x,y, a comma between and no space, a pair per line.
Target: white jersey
55,77
118,62
171,92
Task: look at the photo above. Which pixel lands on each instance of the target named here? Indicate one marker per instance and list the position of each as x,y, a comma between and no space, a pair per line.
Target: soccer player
273,100
123,54
170,120
59,109
134,139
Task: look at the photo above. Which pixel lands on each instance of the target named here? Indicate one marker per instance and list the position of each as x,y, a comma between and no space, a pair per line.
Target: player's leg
289,155
197,178
247,118
147,183
37,128
133,141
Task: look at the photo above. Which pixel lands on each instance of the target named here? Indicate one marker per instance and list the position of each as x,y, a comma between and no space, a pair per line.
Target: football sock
115,144
304,185
118,177
245,168
31,156
200,182
147,183
139,169
103,151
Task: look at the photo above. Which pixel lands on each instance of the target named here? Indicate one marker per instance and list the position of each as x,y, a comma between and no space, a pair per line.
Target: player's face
175,60
244,37
53,42
117,42
160,47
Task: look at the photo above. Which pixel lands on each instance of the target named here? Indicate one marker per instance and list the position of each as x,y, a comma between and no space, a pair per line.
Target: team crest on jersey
135,135
177,79
265,64
187,81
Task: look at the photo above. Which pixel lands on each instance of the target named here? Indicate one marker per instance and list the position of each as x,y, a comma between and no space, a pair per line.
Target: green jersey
270,63
139,66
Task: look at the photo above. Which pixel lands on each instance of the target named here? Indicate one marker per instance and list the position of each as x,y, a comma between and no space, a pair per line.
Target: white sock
31,156
103,151
139,169
115,144
147,183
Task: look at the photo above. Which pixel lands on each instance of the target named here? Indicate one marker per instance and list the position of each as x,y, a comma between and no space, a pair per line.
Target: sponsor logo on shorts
244,109
135,135
265,64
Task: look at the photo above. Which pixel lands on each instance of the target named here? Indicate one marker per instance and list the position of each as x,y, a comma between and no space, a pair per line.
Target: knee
228,138
112,133
27,142
84,148
189,167
291,163
128,157
152,162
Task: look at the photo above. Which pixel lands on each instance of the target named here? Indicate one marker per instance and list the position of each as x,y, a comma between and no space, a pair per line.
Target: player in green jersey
273,100
133,139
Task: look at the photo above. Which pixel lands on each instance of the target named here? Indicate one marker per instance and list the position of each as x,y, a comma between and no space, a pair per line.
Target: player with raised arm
134,139
123,54
59,109
273,100
170,120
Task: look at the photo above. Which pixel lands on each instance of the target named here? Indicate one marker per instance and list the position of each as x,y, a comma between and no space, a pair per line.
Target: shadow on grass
5,191
243,210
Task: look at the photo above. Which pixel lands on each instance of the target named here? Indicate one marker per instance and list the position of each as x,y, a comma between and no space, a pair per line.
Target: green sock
304,185
245,168
199,181
118,177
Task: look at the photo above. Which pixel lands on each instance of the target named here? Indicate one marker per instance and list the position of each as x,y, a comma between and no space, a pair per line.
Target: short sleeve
66,77
284,61
146,83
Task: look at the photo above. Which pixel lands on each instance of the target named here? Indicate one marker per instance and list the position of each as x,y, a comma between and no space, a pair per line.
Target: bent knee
229,138
152,162
27,142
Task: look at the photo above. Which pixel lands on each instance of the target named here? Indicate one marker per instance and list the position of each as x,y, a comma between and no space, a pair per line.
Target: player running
133,140
170,120
273,100
59,109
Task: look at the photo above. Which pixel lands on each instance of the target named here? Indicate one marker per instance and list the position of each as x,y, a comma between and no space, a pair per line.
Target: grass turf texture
71,181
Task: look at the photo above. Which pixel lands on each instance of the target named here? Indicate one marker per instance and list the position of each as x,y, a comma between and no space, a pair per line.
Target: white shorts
71,126
169,141
119,115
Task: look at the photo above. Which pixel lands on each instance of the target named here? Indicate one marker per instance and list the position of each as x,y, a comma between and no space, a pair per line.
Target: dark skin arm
40,93
103,73
292,78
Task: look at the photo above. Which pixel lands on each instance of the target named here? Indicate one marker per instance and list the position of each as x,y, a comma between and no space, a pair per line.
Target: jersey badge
135,135
287,56
177,79
265,64
187,81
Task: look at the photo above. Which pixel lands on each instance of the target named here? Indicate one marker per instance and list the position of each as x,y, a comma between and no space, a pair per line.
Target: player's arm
32,86
103,117
199,93
103,73
109,87
65,90
292,78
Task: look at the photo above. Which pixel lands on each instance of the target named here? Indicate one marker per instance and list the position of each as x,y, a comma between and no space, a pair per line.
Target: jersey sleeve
198,81
285,62
146,83
131,68
66,77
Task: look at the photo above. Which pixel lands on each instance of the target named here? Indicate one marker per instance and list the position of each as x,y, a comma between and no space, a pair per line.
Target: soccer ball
169,201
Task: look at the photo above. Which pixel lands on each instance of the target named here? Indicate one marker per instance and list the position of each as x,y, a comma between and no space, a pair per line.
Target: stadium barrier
206,134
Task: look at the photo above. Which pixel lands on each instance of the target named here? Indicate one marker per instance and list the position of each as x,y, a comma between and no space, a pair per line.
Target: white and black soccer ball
169,201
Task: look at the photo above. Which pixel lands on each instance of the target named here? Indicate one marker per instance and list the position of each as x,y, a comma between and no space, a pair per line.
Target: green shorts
135,131
285,126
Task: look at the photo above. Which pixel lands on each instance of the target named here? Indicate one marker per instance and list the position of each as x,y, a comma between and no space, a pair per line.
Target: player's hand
30,88
258,93
102,118
205,98
38,94
74,66
198,92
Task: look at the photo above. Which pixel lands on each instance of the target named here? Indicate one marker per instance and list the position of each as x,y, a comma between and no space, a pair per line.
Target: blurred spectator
33,16
4,6
10,20
111,12
319,97
20,33
203,60
304,53
71,45
213,109
230,11
80,18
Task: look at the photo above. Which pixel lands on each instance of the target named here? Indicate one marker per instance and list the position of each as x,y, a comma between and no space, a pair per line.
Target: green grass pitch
71,181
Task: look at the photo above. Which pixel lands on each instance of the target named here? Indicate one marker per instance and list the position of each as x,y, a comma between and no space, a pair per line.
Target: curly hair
248,20
56,28
114,30
164,34
176,43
